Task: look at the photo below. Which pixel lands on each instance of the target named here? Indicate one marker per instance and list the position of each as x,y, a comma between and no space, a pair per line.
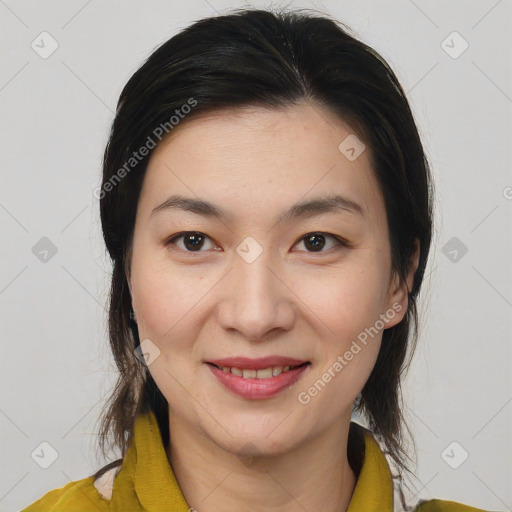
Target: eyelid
341,241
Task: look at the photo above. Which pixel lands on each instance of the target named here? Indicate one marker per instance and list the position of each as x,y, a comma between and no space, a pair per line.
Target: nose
256,299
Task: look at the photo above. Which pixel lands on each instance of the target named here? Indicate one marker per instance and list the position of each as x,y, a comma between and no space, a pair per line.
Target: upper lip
257,364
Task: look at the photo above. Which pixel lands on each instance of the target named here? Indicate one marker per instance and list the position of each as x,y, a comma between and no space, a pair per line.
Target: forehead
250,156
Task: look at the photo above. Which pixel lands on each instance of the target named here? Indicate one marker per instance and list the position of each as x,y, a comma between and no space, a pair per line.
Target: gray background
56,369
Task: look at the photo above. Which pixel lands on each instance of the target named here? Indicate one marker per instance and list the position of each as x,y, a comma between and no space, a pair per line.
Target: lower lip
258,388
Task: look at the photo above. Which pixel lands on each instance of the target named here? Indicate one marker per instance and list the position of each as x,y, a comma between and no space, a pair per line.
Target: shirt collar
157,489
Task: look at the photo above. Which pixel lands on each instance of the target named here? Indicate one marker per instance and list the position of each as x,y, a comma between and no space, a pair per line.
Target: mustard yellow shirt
146,482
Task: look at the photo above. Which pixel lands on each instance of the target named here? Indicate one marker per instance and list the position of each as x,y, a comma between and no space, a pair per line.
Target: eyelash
341,241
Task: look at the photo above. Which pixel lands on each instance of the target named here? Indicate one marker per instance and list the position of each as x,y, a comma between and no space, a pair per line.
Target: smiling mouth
264,373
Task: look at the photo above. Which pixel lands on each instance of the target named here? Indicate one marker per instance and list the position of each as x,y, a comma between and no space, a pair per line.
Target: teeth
265,373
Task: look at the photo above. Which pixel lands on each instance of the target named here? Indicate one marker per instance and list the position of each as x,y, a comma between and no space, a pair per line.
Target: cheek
165,303
346,300
162,296
347,306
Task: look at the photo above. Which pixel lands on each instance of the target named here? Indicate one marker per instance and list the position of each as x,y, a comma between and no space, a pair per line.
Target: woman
267,206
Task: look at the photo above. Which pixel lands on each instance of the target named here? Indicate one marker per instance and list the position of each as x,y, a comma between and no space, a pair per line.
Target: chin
255,442
252,450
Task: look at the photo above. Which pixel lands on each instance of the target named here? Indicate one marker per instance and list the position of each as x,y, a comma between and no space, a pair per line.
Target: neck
313,476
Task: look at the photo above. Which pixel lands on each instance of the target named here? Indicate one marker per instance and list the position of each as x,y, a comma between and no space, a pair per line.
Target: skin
210,303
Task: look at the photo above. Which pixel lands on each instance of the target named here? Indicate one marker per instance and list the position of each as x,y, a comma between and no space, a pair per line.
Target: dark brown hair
274,59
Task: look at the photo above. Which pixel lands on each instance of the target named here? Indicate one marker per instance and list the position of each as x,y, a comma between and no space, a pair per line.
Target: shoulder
77,496
444,506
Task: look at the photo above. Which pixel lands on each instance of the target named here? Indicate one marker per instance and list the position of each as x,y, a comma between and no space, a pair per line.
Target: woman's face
251,284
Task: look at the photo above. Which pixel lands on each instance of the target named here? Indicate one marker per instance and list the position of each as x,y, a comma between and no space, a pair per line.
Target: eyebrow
310,208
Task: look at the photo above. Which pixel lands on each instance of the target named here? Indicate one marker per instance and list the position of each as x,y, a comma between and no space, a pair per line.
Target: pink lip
257,388
256,364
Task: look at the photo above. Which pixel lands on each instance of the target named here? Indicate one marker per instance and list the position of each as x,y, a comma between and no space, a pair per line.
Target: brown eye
193,241
315,242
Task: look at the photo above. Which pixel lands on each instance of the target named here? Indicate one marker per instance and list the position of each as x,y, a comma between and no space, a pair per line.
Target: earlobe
127,269
129,287
397,304
133,316
128,278
414,265
132,310
399,298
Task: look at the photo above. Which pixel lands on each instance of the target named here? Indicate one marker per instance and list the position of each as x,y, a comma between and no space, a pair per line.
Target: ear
129,284
127,274
127,271
398,299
